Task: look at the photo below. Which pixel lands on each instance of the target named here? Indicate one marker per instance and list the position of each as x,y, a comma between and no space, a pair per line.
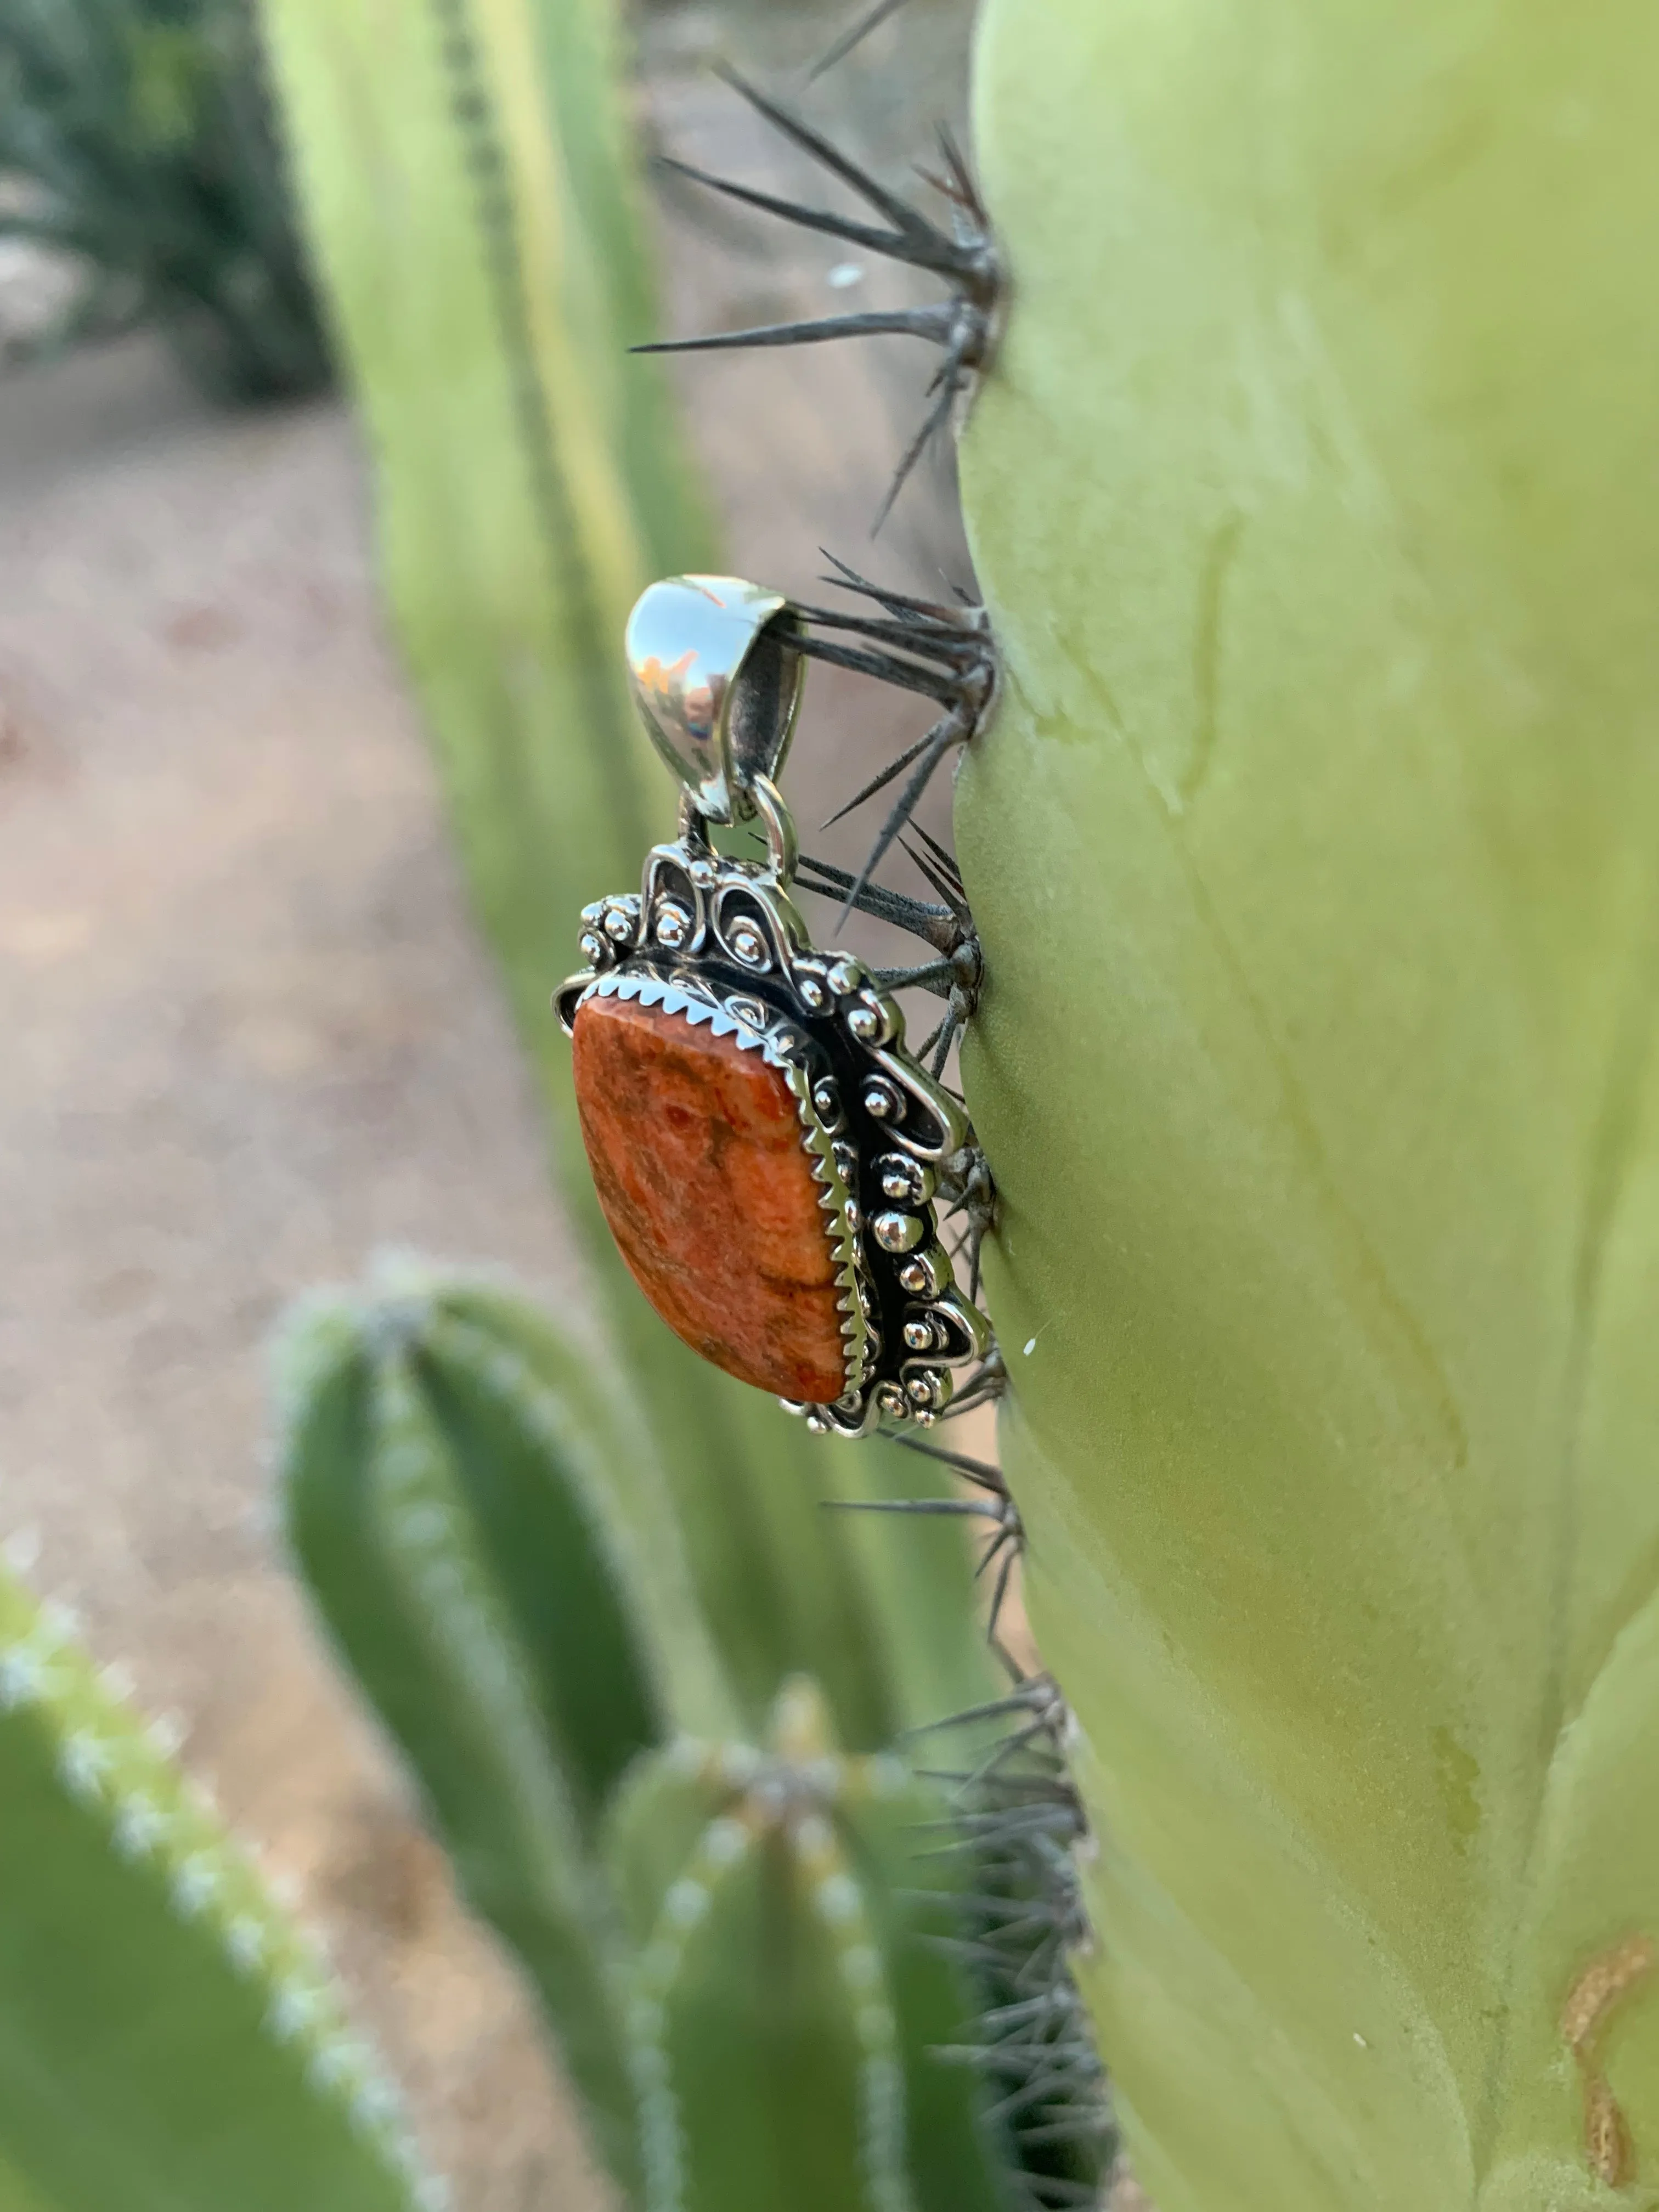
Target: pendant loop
782,844
719,685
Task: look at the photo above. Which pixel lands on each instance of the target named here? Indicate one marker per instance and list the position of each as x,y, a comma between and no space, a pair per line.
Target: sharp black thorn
903,675
932,322
917,231
944,857
1035,1689
940,740
951,377
1005,1546
951,646
949,1506
918,915
880,783
871,20
978,1471
999,1595
848,579
890,242
935,976
951,895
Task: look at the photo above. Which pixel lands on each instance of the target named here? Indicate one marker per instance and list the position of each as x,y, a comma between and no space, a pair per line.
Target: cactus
166,2035
1311,852
721,1910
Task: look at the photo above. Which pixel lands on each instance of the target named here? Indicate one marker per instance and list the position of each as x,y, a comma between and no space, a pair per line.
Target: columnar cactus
1312,852
765,1958
166,2035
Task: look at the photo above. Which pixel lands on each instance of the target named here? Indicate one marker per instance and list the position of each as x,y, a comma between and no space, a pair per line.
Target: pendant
769,1158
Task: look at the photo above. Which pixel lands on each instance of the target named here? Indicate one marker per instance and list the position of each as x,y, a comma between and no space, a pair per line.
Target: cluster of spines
1015,1814
964,325
121,1769
1017,1821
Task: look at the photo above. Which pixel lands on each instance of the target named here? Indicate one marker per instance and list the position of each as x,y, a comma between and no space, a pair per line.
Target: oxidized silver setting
721,940
717,672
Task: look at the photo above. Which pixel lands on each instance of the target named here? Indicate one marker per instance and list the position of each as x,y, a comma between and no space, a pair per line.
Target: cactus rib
166,2033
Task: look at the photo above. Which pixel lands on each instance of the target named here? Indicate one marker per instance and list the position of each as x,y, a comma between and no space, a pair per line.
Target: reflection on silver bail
717,684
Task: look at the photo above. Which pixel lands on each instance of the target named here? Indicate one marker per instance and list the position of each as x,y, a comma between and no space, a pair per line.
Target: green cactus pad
167,2036
1313,851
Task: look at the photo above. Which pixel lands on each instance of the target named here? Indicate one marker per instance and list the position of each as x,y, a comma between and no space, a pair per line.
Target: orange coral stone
696,1152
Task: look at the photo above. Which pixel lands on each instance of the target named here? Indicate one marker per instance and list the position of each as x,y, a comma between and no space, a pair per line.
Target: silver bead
904,1180
897,1232
918,1336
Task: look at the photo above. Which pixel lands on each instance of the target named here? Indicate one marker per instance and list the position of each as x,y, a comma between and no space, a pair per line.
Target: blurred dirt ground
252,1036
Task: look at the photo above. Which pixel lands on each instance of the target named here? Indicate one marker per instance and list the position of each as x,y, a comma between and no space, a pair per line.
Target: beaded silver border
695,907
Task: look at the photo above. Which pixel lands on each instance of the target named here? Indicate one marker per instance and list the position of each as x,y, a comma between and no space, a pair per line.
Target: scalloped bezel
720,941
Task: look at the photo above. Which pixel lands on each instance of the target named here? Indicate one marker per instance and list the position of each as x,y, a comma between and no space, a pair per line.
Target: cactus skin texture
499,1559
166,2035
1312,852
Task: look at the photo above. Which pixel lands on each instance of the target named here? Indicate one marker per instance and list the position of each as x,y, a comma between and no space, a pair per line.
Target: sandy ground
252,1038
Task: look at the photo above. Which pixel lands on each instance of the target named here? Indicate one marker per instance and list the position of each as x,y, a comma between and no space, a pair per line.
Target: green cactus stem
166,2035
784,2006
1312,852
477,1602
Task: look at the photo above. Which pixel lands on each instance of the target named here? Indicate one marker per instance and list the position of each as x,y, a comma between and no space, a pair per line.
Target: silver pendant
771,1158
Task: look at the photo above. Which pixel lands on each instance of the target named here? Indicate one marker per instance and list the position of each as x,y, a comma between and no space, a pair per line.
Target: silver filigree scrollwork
720,941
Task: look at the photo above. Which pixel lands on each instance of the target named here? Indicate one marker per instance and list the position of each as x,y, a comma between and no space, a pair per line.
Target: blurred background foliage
137,144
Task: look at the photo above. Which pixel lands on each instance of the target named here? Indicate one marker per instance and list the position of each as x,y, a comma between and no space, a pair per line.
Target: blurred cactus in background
766,1959
167,2036
137,141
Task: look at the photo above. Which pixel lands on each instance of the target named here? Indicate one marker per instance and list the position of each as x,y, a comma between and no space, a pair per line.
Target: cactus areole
766,1151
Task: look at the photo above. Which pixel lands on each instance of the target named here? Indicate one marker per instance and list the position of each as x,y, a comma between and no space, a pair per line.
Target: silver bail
719,684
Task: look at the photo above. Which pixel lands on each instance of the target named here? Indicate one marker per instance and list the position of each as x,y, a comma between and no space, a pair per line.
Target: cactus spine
166,2034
